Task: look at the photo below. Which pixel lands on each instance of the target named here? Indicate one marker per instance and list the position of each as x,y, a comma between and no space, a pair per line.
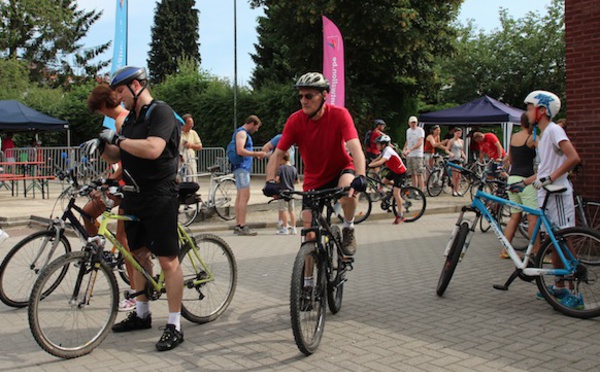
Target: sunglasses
308,96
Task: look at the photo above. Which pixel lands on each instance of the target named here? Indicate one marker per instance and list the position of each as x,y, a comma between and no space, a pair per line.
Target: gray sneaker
247,231
236,230
348,241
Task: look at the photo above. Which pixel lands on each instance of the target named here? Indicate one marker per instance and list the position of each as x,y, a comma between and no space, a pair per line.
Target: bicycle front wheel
413,203
224,199
591,215
209,278
22,265
452,258
435,183
335,283
374,187
584,301
187,213
307,298
69,322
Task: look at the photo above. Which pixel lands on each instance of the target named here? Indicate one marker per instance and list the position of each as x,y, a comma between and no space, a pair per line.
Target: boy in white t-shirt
557,157
391,159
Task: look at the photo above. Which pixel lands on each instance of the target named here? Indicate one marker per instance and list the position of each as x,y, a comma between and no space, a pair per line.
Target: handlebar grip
128,188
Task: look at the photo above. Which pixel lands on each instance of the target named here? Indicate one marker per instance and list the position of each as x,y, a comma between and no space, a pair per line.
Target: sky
217,25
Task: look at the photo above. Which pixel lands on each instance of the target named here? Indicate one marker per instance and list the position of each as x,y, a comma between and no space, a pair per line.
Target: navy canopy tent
16,117
482,111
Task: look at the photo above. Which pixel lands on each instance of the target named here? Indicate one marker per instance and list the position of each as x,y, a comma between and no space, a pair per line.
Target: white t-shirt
550,154
412,137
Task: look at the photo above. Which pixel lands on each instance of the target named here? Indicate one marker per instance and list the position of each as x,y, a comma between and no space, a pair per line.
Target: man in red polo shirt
330,148
490,145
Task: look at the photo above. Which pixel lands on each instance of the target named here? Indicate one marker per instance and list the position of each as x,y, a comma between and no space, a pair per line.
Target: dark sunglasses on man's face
308,96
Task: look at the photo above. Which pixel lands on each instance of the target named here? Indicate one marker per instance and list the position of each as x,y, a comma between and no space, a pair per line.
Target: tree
523,55
391,47
174,36
46,34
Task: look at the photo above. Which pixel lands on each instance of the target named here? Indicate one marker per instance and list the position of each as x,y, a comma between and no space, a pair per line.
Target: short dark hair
252,119
524,121
186,116
100,95
286,156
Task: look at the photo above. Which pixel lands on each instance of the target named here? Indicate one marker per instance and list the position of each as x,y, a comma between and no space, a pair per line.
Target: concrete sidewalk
19,211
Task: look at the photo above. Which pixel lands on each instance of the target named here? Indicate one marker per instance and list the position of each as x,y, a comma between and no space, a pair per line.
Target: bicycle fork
459,222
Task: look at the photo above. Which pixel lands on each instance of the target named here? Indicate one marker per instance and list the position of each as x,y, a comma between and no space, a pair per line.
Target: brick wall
582,19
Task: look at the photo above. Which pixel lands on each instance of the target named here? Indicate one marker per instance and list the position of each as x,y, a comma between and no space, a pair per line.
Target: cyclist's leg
242,182
122,238
93,209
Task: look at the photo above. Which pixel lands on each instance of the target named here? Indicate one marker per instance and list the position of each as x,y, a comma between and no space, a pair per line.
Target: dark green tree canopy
174,37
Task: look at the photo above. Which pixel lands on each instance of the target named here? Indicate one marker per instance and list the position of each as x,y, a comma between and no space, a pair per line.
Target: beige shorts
286,205
414,164
527,197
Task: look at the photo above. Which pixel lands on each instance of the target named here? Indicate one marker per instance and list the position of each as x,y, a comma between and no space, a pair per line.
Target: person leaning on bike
324,134
148,149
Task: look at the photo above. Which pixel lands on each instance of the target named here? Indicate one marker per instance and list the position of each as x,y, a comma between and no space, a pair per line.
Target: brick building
582,20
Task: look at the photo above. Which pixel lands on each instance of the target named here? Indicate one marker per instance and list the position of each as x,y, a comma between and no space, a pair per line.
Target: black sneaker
133,323
348,241
170,339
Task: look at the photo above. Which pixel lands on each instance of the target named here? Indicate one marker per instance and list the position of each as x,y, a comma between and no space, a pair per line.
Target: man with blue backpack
240,152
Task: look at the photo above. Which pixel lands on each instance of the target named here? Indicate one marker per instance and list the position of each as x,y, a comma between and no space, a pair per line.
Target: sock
349,224
142,309
175,319
309,281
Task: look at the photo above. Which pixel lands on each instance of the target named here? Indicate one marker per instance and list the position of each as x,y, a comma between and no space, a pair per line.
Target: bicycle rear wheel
206,301
307,298
585,244
224,199
464,184
335,284
22,265
413,203
61,322
435,183
452,258
187,213
591,213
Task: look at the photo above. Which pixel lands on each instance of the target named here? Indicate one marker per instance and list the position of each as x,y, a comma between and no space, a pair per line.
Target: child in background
287,176
392,160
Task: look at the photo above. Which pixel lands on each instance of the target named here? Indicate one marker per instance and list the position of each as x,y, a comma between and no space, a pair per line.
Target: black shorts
397,178
157,225
329,185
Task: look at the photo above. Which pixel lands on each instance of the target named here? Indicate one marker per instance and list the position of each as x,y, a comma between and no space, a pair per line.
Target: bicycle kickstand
511,278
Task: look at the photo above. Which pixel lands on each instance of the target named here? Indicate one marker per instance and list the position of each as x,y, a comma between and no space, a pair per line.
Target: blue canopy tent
16,117
481,111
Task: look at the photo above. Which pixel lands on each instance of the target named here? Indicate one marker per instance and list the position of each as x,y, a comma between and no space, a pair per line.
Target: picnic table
25,171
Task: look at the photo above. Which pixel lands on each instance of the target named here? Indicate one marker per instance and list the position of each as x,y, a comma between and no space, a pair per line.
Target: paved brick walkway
391,319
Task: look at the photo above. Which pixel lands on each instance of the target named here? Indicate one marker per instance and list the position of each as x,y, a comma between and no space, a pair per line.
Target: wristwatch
119,139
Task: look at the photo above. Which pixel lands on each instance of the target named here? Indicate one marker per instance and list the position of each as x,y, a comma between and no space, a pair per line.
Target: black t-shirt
153,176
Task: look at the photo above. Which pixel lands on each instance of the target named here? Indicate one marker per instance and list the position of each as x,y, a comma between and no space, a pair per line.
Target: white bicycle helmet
314,80
548,100
384,138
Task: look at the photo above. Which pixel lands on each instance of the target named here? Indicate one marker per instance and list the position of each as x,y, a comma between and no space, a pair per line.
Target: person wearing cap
413,150
372,150
148,145
323,134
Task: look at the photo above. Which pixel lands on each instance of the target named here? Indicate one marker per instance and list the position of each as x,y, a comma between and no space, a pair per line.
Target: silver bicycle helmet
314,80
384,138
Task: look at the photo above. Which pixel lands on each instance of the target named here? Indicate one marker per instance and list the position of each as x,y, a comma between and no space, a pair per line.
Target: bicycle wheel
224,199
374,187
591,213
335,284
23,263
363,208
187,213
452,258
413,203
122,269
307,298
66,323
464,185
585,244
435,183
214,263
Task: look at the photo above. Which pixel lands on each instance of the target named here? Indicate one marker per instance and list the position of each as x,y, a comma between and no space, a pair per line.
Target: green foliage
13,78
523,55
46,34
174,37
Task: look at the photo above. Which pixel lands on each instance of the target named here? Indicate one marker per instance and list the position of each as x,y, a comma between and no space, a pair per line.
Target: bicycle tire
373,186
335,282
586,246
363,208
62,326
414,203
122,269
591,211
464,184
307,306
224,199
452,258
203,303
18,272
187,213
435,183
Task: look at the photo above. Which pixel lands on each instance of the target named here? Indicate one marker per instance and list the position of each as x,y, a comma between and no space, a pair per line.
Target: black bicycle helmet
377,122
314,80
126,75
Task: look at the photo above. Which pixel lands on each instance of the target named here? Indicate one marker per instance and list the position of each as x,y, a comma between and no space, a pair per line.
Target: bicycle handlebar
325,194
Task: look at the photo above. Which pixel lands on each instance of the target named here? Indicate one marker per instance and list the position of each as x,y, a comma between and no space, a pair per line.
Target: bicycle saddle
554,189
214,168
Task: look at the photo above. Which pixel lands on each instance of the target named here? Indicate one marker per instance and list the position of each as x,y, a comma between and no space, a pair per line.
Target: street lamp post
235,78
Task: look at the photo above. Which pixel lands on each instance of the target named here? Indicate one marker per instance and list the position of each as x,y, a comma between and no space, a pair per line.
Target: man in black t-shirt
147,147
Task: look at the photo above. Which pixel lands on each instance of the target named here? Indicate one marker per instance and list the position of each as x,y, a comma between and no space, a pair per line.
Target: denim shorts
242,178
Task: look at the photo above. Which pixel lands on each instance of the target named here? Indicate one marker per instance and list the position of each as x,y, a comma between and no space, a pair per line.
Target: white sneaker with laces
127,305
283,231
292,231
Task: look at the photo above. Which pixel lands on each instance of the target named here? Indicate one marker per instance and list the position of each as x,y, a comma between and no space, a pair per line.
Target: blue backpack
232,154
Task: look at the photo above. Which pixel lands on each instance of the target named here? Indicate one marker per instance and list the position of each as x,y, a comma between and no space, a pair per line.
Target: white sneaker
292,231
127,305
283,231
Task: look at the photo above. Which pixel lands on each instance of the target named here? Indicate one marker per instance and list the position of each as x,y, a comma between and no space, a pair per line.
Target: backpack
367,140
231,151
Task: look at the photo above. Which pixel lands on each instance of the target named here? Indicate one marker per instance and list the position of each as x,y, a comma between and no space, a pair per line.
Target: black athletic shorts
329,185
157,225
397,178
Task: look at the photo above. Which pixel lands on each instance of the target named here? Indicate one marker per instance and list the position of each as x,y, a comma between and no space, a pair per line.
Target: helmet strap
320,107
135,96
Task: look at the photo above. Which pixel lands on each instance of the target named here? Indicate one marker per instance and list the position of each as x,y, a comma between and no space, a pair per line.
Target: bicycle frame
479,207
